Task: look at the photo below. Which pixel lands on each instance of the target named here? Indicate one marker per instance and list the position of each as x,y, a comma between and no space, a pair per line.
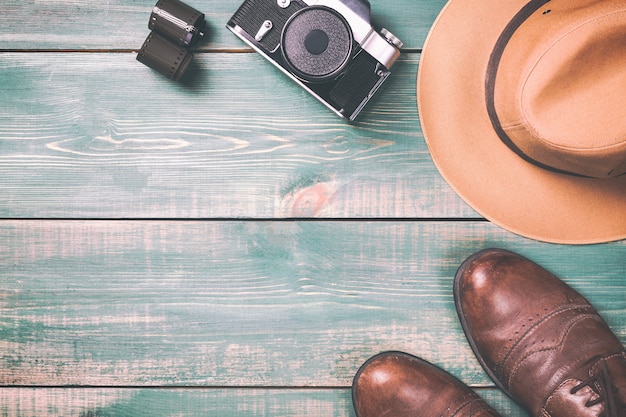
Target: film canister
174,26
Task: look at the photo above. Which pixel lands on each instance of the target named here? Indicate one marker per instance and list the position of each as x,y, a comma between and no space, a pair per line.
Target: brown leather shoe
539,340
396,384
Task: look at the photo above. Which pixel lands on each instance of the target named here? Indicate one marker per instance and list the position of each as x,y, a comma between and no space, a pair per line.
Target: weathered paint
129,283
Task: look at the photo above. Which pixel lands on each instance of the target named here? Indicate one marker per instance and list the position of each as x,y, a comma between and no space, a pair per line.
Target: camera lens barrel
174,26
317,43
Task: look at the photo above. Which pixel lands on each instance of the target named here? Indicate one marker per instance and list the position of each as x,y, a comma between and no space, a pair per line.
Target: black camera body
329,47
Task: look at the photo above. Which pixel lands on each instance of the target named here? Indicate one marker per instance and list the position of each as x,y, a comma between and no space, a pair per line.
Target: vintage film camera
329,47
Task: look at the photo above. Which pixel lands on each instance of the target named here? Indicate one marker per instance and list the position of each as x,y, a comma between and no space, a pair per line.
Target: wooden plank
102,136
85,402
248,303
123,24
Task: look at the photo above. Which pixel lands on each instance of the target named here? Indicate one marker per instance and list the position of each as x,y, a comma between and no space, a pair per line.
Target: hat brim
493,180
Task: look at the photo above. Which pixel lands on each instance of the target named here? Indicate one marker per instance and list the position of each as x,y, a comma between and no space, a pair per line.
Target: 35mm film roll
175,27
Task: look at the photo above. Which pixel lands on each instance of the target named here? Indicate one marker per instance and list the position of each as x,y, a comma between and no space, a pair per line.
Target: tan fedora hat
523,107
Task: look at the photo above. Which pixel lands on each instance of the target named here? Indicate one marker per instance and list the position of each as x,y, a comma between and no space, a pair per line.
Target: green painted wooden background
224,247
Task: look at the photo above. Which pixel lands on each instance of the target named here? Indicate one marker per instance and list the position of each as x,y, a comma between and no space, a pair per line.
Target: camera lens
317,43
177,21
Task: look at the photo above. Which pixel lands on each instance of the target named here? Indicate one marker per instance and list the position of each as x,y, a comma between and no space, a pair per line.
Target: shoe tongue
617,372
563,403
585,396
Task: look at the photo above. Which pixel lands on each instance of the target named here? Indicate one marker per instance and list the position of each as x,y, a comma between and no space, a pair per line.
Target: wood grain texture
204,298
120,24
136,303
102,136
104,402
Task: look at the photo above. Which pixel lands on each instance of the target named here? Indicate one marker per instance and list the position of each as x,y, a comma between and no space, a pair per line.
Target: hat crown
487,72
560,89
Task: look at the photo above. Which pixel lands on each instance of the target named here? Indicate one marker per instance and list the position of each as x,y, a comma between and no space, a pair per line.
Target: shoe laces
605,390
